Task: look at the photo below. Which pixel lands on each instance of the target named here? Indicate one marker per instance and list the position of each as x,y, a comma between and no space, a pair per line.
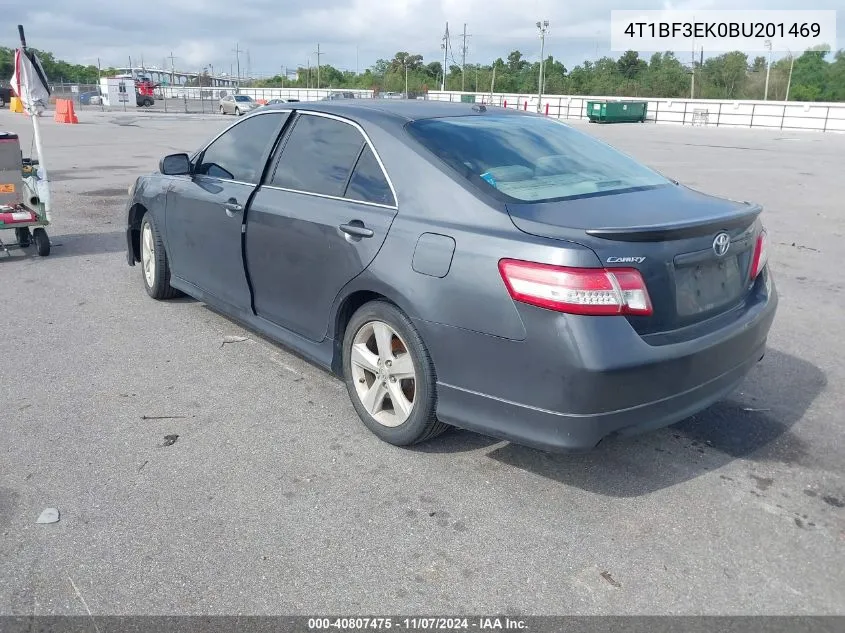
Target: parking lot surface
274,499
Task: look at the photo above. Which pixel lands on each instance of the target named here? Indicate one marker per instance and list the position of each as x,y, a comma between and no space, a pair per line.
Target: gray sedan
460,265
237,104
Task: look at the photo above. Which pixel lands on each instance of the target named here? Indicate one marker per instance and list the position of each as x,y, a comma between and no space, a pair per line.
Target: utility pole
406,76
357,67
237,51
248,66
542,27
308,76
692,66
318,66
768,68
445,47
464,57
788,81
172,69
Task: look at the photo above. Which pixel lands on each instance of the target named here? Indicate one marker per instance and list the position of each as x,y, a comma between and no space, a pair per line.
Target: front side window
319,156
240,153
531,159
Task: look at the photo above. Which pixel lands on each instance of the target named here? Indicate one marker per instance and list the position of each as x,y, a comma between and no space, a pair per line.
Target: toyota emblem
721,244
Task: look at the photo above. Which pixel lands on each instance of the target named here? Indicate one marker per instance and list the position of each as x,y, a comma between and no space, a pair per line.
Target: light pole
406,76
768,68
542,27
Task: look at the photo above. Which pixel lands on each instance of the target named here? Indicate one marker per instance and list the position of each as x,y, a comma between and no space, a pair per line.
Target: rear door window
368,182
319,156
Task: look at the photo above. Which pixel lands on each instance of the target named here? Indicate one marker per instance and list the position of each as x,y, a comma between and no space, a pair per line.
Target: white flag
29,81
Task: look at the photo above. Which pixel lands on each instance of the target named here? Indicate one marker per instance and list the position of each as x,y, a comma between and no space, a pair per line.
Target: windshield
243,98
531,159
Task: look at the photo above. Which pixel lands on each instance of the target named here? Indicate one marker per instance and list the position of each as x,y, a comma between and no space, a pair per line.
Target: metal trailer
21,205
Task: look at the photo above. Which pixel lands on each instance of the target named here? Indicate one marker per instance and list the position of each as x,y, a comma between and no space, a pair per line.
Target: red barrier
65,112
506,103
525,107
547,109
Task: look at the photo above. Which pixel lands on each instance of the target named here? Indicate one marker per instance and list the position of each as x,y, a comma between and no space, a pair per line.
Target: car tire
237,112
155,267
379,341
222,111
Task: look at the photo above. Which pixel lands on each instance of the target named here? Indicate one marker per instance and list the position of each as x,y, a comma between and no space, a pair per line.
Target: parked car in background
454,264
85,97
339,95
237,104
273,102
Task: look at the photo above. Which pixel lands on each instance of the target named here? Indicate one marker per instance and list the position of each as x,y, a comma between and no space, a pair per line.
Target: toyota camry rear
639,301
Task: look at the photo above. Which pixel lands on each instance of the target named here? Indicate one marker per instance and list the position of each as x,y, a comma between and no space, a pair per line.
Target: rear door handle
356,228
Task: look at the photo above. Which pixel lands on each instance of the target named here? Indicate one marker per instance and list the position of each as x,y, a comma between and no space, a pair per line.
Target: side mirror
175,165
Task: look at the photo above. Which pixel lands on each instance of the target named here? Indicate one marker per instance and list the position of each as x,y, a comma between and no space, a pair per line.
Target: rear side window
531,159
368,182
319,156
240,153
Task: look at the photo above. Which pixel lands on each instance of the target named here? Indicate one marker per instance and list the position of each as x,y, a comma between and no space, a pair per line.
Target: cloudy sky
351,33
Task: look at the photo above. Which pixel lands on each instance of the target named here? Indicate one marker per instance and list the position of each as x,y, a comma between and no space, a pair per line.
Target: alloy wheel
383,373
148,254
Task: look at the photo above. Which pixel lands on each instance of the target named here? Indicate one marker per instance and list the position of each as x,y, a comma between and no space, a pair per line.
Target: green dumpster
616,111
467,98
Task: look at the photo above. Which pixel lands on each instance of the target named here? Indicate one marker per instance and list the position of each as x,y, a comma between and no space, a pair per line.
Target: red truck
145,91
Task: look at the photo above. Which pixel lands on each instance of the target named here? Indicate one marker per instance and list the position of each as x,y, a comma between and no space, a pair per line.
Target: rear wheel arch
136,215
346,307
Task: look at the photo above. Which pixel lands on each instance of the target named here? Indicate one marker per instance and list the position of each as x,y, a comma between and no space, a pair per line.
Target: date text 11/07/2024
722,30
418,624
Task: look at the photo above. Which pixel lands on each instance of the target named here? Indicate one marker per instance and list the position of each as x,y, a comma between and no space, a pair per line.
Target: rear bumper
576,380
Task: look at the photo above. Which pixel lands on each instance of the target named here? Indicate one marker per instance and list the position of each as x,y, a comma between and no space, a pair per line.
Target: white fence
266,94
781,115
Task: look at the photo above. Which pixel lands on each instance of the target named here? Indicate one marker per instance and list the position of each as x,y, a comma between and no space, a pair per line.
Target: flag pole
32,109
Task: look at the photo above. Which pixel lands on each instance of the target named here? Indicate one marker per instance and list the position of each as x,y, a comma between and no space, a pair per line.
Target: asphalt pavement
274,499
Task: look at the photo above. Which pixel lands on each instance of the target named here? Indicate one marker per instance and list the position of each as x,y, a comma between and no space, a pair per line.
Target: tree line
816,76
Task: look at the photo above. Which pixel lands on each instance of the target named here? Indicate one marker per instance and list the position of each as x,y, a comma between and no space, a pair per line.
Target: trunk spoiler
682,230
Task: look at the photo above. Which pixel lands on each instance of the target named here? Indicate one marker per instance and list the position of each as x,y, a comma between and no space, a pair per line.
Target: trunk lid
669,234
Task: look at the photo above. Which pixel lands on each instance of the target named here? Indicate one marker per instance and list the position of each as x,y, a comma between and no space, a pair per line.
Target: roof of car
396,109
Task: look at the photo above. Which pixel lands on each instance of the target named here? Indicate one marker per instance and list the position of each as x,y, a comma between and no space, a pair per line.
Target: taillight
761,254
593,291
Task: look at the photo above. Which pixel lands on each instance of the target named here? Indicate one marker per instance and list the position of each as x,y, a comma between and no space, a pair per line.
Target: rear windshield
243,98
531,159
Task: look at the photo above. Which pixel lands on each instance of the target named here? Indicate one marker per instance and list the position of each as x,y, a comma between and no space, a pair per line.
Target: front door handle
232,205
356,228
